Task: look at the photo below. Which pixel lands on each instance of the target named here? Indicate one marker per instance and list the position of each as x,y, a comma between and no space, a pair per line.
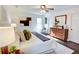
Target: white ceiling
36,8
56,7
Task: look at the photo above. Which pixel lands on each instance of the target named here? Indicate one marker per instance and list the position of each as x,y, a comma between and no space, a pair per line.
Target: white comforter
35,45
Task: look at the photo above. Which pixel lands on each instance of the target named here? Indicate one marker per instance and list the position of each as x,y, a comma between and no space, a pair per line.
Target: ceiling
56,7
36,8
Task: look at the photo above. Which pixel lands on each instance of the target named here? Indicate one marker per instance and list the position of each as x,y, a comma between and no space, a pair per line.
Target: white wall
19,13
33,23
69,14
3,17
0,12
75,27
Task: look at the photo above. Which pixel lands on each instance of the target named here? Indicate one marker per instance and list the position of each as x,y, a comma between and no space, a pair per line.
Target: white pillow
22,36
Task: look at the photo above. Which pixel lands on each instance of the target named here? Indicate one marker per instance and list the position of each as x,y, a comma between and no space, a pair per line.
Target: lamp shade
6,36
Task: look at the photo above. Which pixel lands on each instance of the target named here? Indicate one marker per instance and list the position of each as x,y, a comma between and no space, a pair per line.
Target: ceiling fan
45,8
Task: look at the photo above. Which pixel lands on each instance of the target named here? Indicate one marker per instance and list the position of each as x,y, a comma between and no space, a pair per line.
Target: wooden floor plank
71,45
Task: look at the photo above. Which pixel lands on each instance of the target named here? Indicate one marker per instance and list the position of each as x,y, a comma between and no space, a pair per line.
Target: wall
33,23
3,17
69,19
0,12
20,13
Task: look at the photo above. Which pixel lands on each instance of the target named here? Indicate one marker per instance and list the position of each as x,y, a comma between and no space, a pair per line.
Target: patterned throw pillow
27,34
0,50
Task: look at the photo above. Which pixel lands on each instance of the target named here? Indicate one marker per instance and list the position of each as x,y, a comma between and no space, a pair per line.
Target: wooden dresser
61,34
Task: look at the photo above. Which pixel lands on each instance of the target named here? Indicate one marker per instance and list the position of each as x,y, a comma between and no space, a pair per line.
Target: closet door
75,28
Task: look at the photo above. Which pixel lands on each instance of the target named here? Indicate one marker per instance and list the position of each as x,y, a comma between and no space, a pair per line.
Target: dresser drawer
59,33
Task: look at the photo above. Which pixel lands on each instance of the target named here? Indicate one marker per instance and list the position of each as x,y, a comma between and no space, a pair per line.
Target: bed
37,46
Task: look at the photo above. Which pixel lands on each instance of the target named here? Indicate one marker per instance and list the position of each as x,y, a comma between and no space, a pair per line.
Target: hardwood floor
71,45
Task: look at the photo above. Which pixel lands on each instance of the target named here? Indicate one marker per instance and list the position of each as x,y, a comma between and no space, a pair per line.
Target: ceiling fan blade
50,8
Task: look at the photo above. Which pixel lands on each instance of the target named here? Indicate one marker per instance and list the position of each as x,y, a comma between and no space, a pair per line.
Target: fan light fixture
43,8
42,11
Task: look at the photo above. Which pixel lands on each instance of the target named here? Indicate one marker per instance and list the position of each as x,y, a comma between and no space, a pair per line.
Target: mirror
60,20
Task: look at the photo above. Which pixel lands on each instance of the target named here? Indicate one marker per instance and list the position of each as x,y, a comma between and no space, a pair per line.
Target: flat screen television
26,22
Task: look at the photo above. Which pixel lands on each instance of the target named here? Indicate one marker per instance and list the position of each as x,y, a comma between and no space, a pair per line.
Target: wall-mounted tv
26,22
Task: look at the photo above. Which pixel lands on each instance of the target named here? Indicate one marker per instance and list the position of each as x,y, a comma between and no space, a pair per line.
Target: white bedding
35,45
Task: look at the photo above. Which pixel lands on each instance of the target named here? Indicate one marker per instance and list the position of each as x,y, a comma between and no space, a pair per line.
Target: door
75,28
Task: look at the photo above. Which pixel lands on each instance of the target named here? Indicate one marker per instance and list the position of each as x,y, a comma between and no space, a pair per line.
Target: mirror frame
56,20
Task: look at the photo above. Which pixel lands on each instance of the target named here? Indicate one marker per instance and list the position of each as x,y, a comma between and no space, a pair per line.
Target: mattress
35,45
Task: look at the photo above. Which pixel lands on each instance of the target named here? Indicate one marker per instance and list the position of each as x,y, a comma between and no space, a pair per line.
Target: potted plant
12,49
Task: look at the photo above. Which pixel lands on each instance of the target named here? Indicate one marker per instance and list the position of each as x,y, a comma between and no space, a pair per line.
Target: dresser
61,34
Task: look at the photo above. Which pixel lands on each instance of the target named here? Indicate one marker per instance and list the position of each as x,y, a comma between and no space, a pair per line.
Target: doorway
75,28
39,25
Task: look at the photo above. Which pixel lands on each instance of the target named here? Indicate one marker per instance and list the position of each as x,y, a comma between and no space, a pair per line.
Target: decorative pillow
22,36
0,50
27,34
17,35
